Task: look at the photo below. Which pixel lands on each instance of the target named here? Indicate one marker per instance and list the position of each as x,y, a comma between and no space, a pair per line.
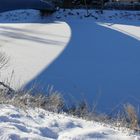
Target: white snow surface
38,124
96,57
31,47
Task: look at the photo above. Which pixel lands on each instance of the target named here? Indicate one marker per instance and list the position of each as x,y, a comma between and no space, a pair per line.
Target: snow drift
38,124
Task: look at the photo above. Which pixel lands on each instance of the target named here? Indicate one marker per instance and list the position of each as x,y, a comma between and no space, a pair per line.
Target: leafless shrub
52,101
4,98
81,110
132,115
21,100
120,119
55,102
99,117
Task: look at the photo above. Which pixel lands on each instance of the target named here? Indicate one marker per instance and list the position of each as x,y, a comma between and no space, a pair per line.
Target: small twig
10,90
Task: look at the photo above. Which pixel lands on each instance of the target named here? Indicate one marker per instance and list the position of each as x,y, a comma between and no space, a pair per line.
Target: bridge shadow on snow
99,64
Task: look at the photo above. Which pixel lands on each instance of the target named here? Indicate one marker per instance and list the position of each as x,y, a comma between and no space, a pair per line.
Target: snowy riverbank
96,57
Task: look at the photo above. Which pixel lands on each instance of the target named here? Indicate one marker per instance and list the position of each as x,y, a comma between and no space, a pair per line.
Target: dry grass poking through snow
54,102
132,116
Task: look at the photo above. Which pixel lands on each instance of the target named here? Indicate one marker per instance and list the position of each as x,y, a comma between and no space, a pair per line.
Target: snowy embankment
37,124
95,57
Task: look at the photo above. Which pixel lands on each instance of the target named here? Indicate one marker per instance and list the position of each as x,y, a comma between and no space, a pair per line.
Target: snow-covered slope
96,57
37,124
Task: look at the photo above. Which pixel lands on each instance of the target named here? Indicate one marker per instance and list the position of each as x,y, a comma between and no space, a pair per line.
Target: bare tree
85,1
102,5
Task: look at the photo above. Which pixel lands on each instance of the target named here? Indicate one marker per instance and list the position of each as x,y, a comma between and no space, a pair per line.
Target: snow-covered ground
96,57
30,47
37,124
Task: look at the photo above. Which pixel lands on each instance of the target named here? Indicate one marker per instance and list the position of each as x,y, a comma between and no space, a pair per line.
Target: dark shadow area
7,5
99,64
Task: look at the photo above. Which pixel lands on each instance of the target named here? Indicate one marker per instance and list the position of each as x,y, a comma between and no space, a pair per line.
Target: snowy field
96,58
37,124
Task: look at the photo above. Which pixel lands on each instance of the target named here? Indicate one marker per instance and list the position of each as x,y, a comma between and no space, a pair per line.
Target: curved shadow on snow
99,64
46,41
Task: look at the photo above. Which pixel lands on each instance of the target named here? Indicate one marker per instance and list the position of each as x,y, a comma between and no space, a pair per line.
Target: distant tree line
83,3
73,4
97,4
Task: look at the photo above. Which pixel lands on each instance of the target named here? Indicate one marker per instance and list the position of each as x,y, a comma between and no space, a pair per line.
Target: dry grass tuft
132,116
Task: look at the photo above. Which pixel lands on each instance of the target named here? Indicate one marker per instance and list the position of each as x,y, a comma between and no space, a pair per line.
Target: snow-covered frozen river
83,58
